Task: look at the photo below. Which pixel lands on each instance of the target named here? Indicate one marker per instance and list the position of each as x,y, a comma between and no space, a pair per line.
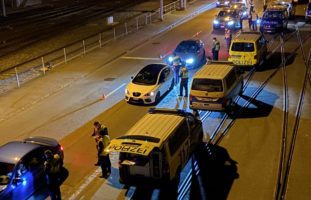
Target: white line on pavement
97,171
139,58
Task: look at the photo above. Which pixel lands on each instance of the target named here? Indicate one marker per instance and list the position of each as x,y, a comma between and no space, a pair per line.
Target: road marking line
139,58
97,171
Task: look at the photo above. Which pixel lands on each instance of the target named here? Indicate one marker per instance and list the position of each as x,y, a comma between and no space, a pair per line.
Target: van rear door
242,53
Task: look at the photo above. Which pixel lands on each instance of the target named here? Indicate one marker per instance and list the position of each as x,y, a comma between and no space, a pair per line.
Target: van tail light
61,148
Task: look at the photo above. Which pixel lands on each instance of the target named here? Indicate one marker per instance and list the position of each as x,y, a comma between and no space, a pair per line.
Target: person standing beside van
254,20
176,64
228,37
183,81
215,48
99,129
104,160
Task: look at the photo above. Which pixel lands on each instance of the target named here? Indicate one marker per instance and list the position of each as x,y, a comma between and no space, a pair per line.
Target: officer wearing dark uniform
52,169
183,81
104,160
176,64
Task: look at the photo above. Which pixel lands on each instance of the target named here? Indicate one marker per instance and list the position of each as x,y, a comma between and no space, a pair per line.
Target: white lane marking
85,184
139,58
97,171
113,91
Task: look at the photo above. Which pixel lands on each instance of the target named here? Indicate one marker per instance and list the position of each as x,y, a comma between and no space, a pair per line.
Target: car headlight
230,23
227,2
170,59
258,21
189,60
216,22
149,94
244,13
127,91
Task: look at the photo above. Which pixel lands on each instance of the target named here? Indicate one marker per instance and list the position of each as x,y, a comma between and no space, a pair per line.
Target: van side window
231,78
178,138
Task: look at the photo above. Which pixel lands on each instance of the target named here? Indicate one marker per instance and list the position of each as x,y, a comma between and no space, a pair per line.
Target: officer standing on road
52,170
228,37
176,68
104,160
99,129
183,81
215,48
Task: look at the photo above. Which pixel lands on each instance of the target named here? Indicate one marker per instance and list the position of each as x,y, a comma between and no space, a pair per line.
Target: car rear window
209,85
272,15
243,46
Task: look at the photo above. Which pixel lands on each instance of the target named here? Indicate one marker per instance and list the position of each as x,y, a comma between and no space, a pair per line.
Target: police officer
52,170
215,48
176,64
103,156
228,37
99,129
183,81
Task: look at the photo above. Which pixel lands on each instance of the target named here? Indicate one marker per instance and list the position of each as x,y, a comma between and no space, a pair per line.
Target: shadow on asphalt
275,61
217,173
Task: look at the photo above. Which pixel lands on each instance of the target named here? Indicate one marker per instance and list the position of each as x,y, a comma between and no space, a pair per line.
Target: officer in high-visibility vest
176,64
228,37
104,160
183,81
99,130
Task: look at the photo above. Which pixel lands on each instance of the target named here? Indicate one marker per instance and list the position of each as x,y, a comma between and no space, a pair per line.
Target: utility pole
3,8
161,10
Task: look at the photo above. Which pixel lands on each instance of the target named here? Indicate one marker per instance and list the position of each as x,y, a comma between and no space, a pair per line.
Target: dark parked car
308,13
191,53
228,18
22,166
274,20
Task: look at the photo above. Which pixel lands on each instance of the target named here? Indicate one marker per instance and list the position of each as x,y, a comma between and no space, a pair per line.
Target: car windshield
209,85
187,46
273,15
227,14
6,170
243,46
148,75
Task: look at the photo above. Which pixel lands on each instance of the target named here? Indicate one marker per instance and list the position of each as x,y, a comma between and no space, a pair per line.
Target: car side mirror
17,181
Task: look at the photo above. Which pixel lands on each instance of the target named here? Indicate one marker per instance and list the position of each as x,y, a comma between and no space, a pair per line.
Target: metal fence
41,65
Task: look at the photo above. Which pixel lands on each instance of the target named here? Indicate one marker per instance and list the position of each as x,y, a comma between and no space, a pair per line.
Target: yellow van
215,86
248,49
157,147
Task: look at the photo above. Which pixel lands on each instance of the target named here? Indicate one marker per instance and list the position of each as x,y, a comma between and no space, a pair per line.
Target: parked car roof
12,152
42,141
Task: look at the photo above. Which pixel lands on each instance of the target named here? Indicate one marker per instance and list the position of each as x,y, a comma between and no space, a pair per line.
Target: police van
215,86
157,147
248,49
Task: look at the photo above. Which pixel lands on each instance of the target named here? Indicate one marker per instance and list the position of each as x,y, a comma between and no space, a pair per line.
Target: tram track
46,25
218,134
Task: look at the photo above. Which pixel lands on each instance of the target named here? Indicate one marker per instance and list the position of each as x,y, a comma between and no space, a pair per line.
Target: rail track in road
31,29
287,153
218,134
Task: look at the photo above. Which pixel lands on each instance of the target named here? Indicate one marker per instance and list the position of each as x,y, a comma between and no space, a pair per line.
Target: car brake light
62,148
190,97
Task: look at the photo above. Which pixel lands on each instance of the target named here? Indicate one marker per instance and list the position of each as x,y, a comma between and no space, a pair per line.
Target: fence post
136,23
65,56
100,40
125,24
83,43
146,20
43,65
17,79
114,32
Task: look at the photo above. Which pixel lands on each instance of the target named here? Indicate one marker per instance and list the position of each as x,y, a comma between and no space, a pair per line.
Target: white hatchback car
151,82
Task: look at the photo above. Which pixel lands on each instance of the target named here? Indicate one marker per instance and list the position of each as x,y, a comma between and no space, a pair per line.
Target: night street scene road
155,99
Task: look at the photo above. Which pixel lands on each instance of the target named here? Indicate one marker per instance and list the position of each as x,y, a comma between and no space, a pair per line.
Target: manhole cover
109,79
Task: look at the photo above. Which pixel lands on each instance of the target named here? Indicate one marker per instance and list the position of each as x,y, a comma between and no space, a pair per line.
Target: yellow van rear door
117,145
